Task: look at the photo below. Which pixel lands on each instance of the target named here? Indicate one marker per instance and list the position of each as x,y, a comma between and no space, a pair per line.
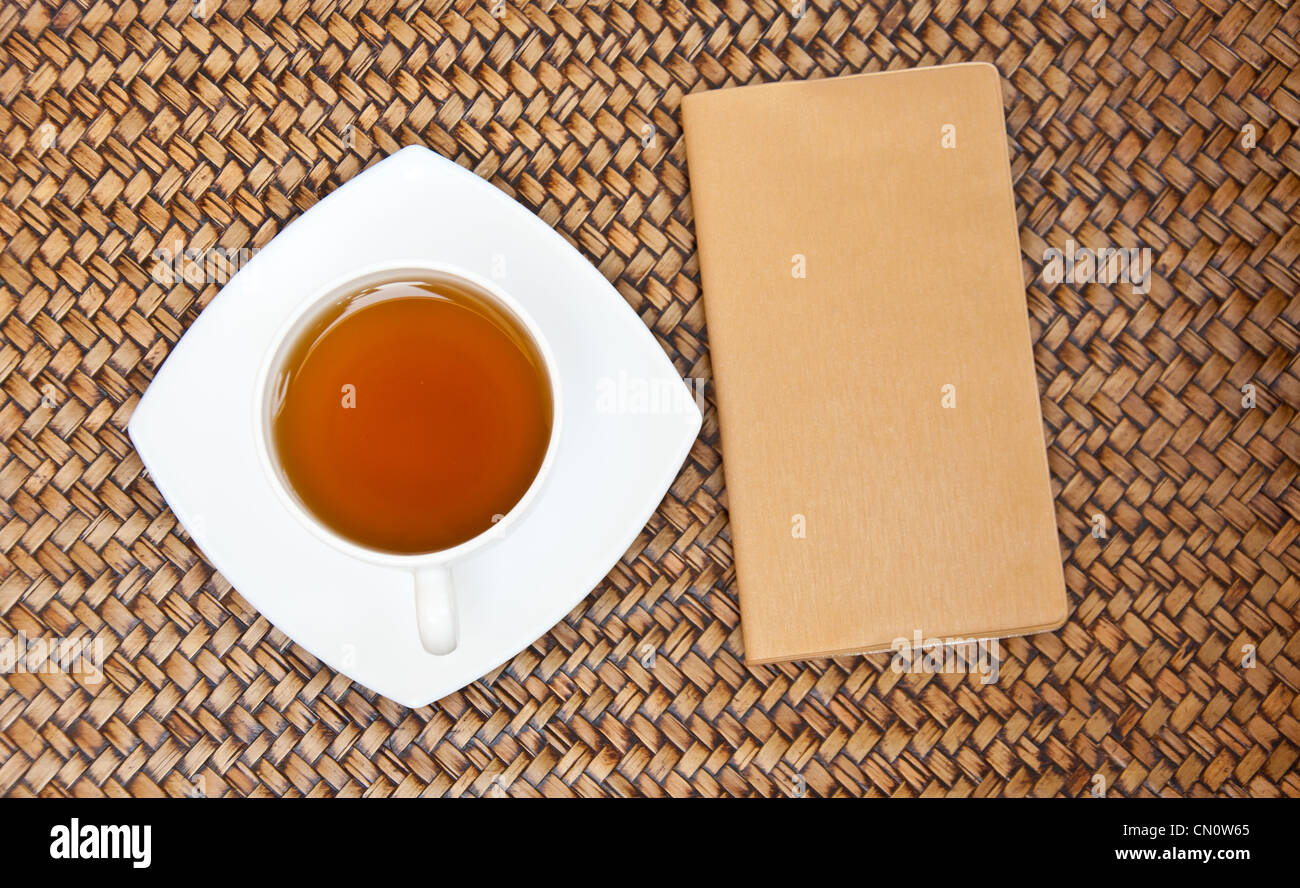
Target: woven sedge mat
127,126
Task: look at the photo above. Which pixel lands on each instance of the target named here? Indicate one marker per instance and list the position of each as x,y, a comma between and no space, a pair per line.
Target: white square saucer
629,423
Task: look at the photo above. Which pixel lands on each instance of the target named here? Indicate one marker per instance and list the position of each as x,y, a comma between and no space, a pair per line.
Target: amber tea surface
406,416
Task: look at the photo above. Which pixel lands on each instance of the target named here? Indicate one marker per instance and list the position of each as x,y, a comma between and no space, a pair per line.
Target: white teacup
433,572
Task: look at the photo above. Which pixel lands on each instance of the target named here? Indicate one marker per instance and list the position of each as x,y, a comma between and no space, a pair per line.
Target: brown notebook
882,438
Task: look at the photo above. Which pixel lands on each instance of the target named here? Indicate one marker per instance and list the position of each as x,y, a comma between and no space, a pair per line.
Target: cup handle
435,609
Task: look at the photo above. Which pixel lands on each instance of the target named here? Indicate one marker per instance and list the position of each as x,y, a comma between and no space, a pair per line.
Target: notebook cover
881,432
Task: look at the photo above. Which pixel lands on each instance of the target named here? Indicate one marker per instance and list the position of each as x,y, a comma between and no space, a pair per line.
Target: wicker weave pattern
130,126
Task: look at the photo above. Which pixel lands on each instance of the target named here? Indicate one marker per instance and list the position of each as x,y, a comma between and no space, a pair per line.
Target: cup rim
376,273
